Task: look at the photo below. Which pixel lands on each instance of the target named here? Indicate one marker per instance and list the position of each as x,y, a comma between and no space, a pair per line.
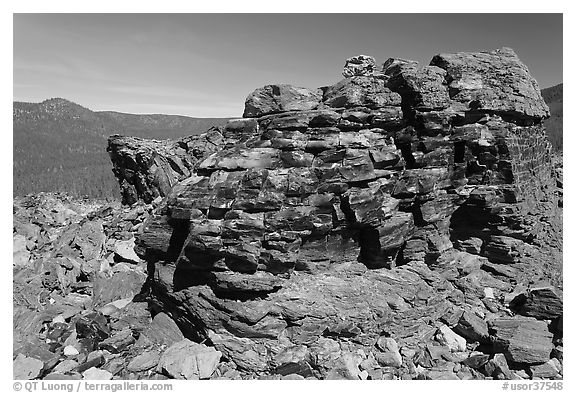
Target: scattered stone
118,342
27,368
558,353
58,319
472,327
121,285
476,361
65,366
346,367
94,373
293,377
162,331
63,377
144,361
188,360
442,375
115,366
447,337
124,251
542,302
497,368
91,329
92,363
21,256
551,369
504,249
471,245
521,339
300,368
391,355
489,293
70,350
115,306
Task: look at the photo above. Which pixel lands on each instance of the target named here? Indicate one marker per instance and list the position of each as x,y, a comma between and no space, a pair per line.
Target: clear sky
204,65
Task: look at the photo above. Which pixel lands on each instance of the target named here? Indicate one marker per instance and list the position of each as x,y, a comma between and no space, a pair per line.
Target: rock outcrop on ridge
402,223
271,249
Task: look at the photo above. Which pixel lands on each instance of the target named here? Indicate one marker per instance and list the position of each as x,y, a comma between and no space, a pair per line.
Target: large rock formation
269,246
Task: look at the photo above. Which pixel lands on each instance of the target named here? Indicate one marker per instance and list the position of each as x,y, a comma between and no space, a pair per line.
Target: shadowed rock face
429,171
148,169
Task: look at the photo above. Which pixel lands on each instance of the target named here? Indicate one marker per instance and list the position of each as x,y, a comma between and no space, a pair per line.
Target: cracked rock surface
401,224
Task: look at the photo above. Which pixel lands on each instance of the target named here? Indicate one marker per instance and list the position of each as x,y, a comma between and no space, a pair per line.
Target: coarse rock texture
280,98
189,360
440,173
76,310
148,169
523,340
400,224
361,65
494,82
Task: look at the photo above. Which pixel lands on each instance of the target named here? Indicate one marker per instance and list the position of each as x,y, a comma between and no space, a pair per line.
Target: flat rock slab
144,361
162,331
27,368
118,342
472,327
65,366
280,98
475,77
543,302
120,286
522,340
189,360
361,91
94,373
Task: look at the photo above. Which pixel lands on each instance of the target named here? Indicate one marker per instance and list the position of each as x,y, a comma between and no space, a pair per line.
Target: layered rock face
271,246
148,169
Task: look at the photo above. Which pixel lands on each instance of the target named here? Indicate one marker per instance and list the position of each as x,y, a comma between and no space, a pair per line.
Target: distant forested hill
554,97
61,146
